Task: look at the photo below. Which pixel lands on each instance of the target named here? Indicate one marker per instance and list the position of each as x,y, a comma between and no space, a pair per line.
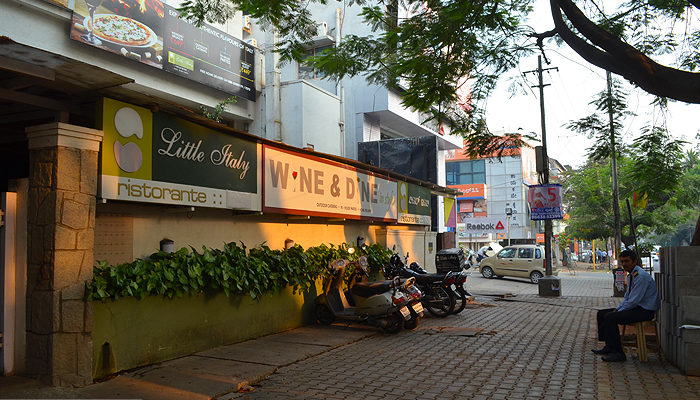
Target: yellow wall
145,226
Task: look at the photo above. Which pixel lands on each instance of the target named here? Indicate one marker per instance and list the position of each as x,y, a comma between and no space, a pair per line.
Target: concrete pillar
61,223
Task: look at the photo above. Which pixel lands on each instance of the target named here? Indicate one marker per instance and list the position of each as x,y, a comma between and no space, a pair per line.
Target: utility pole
613,163
544,179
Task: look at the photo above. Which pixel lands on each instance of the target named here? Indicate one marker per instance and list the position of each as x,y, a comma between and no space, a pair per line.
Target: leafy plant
233,270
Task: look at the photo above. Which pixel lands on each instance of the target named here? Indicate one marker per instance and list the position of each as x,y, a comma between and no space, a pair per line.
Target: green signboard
414,204
159,158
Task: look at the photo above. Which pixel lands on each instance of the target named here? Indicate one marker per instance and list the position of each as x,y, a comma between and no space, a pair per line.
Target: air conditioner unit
322,29
252,42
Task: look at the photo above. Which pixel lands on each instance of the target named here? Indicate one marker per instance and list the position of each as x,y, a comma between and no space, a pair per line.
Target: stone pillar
61,223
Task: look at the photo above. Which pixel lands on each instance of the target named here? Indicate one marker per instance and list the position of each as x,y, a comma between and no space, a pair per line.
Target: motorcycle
438,298
388,305
458,285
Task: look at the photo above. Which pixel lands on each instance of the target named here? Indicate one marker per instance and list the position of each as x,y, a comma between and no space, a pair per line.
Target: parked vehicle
438,297
474,258
521,261
384,304
458,285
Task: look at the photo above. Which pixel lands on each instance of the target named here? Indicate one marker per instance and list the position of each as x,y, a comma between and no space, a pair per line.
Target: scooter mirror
362,261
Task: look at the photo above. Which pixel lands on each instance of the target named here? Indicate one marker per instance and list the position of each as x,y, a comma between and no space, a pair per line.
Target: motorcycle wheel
461,304
324,316
394,323
411,324
440,302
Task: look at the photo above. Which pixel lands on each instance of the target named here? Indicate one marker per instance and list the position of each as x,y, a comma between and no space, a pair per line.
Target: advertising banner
308,185
471,191
150,32
158,158
545,202
478,226
414,204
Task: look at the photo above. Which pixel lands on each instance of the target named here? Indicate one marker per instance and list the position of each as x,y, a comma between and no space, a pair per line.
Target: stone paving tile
532,348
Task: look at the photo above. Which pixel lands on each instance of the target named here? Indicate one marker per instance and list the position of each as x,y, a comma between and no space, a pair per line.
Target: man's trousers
609,319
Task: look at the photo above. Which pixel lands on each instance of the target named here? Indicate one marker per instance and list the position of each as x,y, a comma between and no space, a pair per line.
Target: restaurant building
105,154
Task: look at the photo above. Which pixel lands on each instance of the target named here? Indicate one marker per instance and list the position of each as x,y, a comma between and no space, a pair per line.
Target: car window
538,254
525,253
507,253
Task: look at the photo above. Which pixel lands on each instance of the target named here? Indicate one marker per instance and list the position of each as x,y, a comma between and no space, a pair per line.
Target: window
508,252
466,172
525,253
538,254
306,71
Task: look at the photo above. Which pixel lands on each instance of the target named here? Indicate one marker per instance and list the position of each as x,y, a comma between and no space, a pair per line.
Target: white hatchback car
521,261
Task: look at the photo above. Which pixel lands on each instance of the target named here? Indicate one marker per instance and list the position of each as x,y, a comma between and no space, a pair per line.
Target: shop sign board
414,204
307,185
151,32
159,158
546,202
478,226
470,191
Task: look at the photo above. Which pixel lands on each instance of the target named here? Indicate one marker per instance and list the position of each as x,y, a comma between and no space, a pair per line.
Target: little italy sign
159,158
307,185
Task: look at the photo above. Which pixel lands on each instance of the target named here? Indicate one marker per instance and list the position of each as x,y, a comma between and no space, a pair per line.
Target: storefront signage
480,226
151,32
307,185
158,158
545,202
472,191
414,204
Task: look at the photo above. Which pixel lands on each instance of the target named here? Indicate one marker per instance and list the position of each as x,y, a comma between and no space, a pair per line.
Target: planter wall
129,333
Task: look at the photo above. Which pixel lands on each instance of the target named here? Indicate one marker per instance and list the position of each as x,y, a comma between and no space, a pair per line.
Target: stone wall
61,223
679,284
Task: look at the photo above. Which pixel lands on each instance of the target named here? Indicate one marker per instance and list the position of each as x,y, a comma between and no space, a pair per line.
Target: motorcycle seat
423,279
367,289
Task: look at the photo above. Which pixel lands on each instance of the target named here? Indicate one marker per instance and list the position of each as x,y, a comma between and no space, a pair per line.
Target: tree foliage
596,126
667,217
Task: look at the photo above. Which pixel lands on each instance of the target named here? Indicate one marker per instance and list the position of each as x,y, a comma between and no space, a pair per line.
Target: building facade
105,152
493,187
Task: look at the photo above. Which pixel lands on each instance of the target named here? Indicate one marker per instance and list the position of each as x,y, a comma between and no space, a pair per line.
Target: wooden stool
641,341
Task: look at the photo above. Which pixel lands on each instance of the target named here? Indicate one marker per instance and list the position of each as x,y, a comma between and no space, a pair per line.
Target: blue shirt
641,292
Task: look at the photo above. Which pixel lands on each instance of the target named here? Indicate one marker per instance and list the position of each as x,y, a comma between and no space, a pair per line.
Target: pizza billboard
151,32
158,158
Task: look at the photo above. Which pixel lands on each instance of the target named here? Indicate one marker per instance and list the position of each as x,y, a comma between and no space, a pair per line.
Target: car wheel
535,276
487,272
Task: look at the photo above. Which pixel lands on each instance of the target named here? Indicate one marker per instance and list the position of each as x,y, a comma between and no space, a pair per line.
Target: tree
596,126
605,44
665,217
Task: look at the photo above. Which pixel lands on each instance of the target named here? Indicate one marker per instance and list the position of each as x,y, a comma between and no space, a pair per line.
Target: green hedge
233,270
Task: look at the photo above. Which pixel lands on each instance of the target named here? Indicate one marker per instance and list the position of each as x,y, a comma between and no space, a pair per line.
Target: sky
572,86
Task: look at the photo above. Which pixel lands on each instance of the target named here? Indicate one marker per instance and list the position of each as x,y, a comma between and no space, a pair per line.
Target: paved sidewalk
521,347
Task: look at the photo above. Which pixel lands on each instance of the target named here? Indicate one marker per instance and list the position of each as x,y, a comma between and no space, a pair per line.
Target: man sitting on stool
640,303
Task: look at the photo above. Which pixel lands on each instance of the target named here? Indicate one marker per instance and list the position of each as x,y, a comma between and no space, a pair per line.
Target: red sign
473,191
466,206
540,238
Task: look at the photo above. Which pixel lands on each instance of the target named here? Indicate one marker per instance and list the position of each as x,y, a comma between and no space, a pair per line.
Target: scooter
458,285
384,304
438,298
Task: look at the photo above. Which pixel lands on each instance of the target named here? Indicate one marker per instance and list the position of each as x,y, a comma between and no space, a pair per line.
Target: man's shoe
615,357
602,351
